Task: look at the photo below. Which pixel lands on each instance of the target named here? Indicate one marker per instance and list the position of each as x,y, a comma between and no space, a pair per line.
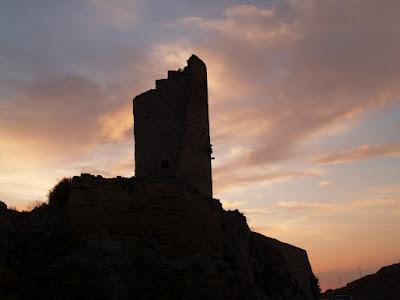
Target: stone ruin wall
128,216
162,225
124,215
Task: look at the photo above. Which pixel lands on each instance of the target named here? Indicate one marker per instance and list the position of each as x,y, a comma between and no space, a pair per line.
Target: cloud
284,74
247,11
279,74
361,153
118,13
389,202
324,183
59,112
224,180
117,124
231,204
244,22
303,205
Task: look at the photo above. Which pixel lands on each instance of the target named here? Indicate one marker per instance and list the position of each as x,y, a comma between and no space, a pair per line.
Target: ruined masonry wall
124,216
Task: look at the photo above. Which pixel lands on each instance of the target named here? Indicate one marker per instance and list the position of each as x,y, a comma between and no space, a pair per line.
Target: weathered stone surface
166,216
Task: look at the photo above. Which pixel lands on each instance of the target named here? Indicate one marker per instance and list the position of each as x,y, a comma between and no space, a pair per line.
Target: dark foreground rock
383,285
132,239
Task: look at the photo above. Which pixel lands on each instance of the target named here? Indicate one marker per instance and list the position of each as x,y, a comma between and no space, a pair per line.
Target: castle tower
171,127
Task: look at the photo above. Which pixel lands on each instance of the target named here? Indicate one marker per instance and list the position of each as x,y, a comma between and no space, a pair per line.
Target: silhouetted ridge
383,285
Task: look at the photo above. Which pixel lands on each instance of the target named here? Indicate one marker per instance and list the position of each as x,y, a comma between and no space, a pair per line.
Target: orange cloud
322,226
117,124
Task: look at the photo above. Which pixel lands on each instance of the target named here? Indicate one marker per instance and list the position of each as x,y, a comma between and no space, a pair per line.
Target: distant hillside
385,285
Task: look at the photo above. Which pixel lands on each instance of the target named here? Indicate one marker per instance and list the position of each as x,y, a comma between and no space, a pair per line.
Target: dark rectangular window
164,164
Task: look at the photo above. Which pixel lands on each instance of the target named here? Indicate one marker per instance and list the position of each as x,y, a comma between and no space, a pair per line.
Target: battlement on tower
171,127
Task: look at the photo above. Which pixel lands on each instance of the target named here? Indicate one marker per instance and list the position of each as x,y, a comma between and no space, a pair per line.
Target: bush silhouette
58,196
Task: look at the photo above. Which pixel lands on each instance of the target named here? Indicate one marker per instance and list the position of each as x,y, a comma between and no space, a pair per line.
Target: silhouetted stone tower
172,136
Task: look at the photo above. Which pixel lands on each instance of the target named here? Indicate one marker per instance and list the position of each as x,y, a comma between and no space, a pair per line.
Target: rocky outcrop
125,238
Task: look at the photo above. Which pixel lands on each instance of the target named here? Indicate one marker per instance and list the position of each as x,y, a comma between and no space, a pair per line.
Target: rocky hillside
383,285
124,238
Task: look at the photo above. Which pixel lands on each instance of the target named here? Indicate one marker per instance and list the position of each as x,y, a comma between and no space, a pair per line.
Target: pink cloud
225,179
360,153
283,74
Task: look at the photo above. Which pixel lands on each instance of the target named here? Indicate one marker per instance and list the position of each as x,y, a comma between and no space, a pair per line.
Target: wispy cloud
225,179
292,81
389,202
303,205
71,111
324,183
360,153
118,13
278,75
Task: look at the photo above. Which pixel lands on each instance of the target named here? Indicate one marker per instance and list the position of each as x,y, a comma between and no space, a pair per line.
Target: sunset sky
304,108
